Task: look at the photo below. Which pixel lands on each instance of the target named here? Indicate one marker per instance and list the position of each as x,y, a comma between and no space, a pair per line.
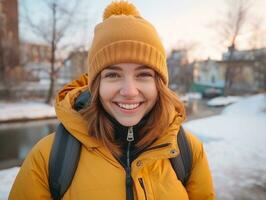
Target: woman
129,128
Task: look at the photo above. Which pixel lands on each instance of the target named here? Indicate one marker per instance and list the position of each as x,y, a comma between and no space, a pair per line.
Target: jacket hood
68,116
77,126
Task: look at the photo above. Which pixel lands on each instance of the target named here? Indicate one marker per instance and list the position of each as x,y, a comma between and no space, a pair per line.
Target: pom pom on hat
120,8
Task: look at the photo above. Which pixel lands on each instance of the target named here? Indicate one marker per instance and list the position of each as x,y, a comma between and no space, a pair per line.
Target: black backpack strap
64,156
182,163
63,162
82,100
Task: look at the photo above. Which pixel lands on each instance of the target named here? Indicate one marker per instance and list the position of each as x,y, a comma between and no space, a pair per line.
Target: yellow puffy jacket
99,176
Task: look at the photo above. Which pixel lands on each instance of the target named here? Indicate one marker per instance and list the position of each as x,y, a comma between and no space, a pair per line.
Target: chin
128,123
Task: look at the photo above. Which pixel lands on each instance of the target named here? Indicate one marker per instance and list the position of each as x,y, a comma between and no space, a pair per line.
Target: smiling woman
127,131
128,92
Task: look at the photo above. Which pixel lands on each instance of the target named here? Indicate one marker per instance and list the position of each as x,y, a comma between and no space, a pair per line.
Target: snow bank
7,178
223,101
248,106
25,110
190,96
235,144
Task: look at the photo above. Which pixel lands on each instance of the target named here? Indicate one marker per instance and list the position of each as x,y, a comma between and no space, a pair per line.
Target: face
128,92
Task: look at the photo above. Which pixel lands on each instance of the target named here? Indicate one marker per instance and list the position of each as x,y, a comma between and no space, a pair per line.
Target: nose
129,89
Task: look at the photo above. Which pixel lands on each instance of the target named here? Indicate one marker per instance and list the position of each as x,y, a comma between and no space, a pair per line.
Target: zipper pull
130,134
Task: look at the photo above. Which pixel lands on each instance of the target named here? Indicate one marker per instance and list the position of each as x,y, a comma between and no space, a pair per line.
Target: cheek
154,96
103,92
107,92
151,92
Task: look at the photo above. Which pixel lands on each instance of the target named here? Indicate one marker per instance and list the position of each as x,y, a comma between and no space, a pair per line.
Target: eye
111,75
145,75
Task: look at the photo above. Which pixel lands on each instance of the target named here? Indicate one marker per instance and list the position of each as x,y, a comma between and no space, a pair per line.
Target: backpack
65,153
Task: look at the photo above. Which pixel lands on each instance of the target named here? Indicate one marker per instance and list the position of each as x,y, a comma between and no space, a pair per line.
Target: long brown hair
101,128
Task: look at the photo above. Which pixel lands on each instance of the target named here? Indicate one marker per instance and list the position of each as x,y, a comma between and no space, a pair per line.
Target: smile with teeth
128,106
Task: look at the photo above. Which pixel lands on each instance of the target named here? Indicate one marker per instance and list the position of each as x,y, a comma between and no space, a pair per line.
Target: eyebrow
114,67
143,67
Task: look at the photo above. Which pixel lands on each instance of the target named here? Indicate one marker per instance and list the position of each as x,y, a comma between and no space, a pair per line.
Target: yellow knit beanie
125,37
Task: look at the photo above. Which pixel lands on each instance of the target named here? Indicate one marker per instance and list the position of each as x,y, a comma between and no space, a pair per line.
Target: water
16,139
198,109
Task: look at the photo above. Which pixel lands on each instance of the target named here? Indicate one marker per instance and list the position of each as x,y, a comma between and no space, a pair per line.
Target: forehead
128,66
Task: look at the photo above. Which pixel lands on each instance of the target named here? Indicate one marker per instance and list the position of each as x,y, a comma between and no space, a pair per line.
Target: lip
128,102
131,111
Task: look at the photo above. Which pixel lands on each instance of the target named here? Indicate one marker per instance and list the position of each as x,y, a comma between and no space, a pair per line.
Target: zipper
129,189
143,187
130,134
130,138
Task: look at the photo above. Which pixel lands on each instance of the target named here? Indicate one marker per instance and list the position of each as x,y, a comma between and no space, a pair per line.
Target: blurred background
216,61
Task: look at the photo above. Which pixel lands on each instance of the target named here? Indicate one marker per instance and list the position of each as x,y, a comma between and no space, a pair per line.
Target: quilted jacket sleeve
32,179
200,185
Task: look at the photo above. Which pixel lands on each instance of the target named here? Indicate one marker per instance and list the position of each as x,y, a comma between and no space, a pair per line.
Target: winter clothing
125,37
101,176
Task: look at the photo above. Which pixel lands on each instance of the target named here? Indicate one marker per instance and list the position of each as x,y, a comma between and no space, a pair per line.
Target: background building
248,70
9,36
180,71
209,73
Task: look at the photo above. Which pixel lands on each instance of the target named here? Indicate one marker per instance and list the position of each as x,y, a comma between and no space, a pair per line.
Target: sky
178,22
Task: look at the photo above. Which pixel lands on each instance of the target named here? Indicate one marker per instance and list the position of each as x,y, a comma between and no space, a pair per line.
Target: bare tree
233,21
53,29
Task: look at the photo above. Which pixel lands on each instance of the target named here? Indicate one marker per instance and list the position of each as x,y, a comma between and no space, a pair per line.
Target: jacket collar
121,130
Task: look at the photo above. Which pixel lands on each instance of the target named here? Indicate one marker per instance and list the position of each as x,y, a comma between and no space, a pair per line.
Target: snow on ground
7,177
25,110
190,96
194,95
235,144
223,101
248,106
